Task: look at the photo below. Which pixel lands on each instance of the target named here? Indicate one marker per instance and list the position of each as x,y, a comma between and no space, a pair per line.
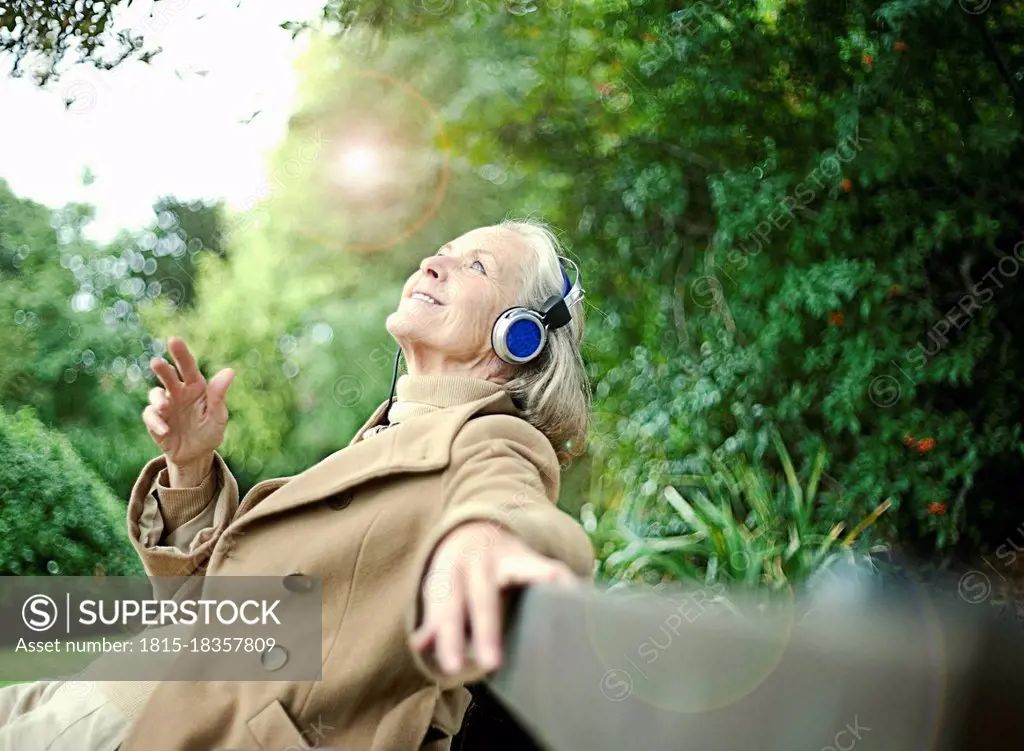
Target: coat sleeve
176,540
175,516
504,471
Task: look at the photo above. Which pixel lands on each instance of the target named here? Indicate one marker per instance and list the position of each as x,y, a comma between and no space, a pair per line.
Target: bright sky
143,131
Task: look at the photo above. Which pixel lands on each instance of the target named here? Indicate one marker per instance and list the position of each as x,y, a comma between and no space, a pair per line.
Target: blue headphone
519,334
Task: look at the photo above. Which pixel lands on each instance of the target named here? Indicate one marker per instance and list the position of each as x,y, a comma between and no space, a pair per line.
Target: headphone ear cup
518,336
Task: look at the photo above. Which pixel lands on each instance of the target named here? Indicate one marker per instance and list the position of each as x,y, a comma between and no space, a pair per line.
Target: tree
776,206
70,309
179,232
43,33
800,216
57,517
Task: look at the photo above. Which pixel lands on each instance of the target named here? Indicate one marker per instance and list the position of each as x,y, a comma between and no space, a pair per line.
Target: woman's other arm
505,472
500,527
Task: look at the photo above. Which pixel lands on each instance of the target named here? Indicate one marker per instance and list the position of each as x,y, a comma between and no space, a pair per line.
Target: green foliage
729,522
56,516
179,233
670,144
793,219
71,313
775,205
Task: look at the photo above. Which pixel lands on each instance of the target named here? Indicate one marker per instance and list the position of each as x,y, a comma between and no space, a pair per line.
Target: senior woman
455,480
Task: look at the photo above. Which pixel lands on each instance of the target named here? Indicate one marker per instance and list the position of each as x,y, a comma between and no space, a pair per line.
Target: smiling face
444,319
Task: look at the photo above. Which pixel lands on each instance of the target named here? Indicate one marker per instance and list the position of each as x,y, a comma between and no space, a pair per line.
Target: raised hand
187,417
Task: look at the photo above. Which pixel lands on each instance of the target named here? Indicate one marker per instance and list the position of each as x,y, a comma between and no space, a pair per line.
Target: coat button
297,583
274,658
339,501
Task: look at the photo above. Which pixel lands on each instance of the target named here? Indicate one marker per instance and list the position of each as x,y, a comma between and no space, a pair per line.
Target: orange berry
908,440
900,46
868,59
937,508
836,318
846,185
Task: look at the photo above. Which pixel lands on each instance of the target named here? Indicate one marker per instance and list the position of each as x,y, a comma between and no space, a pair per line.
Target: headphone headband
573,293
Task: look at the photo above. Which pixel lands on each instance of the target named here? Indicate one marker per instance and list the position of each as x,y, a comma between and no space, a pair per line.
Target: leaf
794,542
709,509
780,575
677,567
756,496
881,509
678,543
796,492
685,511
823,550
755,565
620,557
711,574
816,472
636,567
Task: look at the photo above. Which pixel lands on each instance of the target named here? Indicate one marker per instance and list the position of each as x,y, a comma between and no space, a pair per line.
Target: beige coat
364,520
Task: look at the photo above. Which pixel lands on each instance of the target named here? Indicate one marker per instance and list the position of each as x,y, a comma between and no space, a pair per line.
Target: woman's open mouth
424,297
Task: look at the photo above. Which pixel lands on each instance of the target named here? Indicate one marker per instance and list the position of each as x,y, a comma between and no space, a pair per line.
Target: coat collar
422,444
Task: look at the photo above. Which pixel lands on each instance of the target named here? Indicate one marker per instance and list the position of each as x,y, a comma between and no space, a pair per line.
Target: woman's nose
434,266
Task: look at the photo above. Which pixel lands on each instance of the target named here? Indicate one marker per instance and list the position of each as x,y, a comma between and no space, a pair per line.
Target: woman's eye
478,266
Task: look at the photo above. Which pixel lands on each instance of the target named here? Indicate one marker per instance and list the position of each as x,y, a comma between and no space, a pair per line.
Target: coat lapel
422,445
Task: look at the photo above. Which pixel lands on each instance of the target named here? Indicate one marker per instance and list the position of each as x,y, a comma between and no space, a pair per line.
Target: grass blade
829,539
796,492
685,511
869,520
678,543
816,472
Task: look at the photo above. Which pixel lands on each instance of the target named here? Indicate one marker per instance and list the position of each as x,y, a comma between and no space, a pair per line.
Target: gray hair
553,389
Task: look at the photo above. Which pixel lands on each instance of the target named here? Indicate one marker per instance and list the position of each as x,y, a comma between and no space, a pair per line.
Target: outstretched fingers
167,375
152,420
218,387
183,358
158,398
484,614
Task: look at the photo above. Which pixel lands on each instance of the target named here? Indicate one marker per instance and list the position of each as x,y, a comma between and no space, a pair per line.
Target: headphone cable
394,381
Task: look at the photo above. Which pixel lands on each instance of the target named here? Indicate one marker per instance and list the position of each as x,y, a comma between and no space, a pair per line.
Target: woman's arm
180,506
182,547
186,419
500,527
